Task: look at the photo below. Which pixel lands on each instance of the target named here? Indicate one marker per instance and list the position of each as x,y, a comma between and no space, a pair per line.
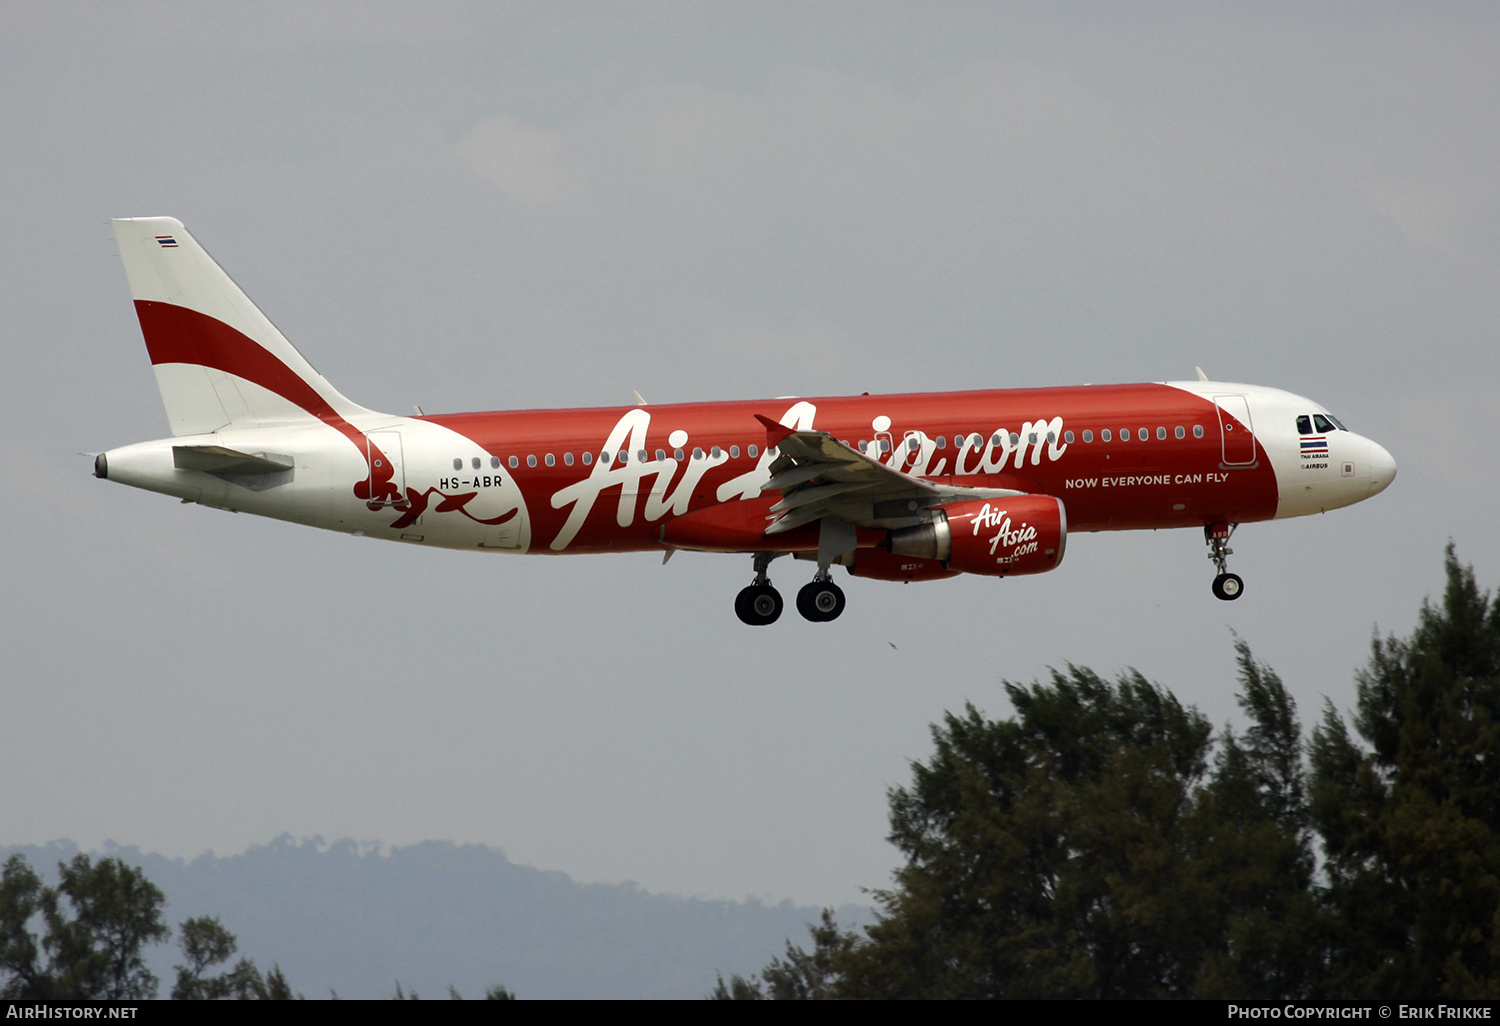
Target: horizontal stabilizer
216,459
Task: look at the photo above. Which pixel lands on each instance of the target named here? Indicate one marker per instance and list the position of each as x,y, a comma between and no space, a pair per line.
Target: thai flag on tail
166,242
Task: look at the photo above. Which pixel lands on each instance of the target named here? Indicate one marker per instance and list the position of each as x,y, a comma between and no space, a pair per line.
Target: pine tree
1411,824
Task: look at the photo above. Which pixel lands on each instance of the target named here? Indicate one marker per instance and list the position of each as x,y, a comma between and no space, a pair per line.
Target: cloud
527,164
997,135
1422,211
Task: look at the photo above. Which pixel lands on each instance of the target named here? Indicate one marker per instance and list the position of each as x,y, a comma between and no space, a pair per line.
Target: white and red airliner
891,487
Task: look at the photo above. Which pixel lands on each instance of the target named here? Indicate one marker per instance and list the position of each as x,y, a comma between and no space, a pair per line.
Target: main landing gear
821,600
760,604
1227,586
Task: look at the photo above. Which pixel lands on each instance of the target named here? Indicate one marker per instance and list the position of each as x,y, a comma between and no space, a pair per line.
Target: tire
820,601
1228,587
758,605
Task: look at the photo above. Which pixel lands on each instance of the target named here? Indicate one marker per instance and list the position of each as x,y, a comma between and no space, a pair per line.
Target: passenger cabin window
1088,435
751,450
1143,433
514,461
1105,436
1179,431
550,460
531,461
568,458
734,452
1161,434
588,458
475,462
1197,430
458,464
1068,437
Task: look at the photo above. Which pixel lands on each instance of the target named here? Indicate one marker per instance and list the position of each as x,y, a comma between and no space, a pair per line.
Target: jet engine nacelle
888,566
1023,534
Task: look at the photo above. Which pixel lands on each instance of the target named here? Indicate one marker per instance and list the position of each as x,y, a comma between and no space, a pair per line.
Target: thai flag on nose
1316,445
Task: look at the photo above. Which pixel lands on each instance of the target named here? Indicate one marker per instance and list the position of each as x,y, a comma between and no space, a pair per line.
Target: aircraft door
1235,430
387,469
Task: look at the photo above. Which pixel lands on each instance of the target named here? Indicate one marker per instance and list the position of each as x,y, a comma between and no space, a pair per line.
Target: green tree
803,976
97,921
1259,852
1090,846
1411,820
22,975
1103,842
205,944
739,988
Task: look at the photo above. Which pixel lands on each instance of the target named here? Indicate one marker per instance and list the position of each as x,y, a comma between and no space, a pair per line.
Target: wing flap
818,476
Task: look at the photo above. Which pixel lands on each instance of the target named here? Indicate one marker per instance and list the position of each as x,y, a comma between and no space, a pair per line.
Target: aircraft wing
819,476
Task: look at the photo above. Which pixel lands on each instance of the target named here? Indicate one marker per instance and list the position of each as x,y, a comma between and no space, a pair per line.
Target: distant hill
338,917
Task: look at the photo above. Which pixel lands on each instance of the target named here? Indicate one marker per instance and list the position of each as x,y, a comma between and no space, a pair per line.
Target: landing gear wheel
758,605
820,601
1228,587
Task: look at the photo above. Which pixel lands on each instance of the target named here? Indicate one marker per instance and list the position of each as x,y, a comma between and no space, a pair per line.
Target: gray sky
490,206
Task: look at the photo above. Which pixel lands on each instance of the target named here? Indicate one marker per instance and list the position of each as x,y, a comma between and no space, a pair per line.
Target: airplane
890,487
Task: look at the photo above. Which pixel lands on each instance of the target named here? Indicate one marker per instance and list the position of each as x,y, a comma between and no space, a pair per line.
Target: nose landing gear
760,604
1227,586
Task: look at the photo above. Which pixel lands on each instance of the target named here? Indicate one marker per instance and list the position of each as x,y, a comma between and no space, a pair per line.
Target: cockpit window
1304,425
1324,423
1337,423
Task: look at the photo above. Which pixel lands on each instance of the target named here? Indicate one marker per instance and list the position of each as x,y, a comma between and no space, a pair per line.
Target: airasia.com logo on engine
1020,541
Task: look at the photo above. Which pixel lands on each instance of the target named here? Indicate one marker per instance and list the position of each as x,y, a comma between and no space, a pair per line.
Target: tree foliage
1088,847
1104,841
96,922
1411,819
84,940
205,944
94,926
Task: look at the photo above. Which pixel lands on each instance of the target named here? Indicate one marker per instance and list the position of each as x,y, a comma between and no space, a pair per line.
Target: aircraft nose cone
1382,469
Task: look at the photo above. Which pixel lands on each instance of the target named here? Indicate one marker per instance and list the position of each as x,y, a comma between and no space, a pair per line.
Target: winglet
1201,375
774,432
